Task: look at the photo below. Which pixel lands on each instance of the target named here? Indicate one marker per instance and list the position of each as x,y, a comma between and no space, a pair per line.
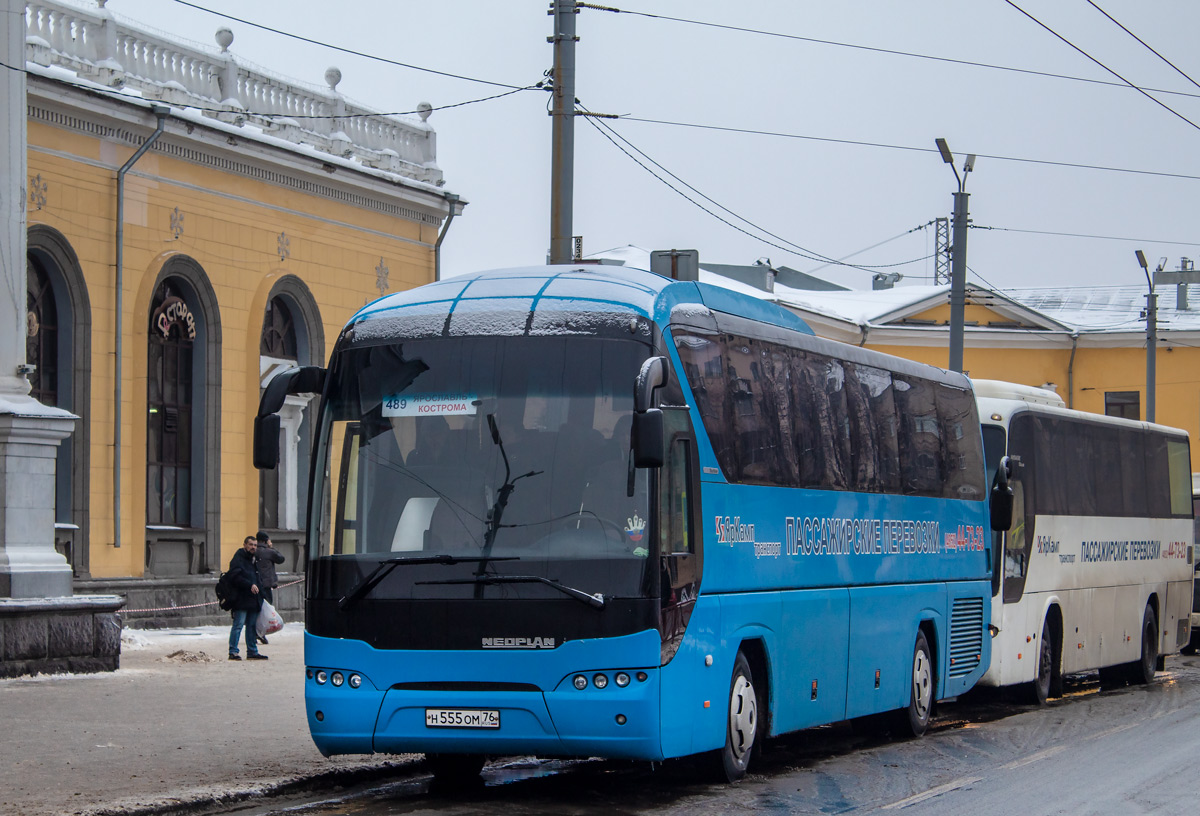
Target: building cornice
241,152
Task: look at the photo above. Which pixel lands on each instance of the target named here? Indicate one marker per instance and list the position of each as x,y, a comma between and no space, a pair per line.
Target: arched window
291,335
277,349
183,423
279,335
169,402
41,345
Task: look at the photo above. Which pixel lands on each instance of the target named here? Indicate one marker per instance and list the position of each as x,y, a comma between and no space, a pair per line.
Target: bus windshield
467,459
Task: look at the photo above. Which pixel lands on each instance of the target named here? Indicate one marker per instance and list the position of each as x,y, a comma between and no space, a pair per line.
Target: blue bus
592,511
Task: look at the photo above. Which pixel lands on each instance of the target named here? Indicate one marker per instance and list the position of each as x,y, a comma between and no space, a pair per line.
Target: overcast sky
855,164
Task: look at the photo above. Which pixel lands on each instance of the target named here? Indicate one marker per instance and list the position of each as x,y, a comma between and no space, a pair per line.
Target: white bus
1096,570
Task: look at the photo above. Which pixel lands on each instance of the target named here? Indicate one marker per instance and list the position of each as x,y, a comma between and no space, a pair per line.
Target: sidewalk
176,725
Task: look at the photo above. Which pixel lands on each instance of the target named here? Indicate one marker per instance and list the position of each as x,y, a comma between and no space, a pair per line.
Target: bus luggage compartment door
488,722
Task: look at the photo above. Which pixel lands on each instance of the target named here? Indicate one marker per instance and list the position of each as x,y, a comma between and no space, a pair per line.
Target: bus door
680,552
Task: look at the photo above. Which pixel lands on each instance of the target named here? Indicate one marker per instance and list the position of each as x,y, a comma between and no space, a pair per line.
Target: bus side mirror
303,380
1002,497
266,441
648,439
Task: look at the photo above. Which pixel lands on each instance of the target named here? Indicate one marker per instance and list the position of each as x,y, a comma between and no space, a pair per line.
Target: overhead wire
119,93
887,51
1119,25
910,148
1140,90
341,49
621,142
1083,235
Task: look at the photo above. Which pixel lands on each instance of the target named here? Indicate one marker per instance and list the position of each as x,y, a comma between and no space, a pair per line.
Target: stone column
29,431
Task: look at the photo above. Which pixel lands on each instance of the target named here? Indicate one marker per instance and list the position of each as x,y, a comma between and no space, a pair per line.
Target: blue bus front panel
540,709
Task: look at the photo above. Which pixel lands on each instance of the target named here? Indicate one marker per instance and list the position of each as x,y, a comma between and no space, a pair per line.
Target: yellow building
248,235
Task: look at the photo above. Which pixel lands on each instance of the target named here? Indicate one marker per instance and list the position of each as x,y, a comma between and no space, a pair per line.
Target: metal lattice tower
941,251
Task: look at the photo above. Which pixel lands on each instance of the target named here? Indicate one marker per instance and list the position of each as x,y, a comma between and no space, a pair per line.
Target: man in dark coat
265,559
248,601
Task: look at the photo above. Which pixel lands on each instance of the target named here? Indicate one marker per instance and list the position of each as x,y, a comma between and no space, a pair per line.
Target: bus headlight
337,679
622,679
579,681
600,680
321,677
355,680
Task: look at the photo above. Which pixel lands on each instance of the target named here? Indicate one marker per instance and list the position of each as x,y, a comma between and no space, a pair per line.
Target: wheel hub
743,717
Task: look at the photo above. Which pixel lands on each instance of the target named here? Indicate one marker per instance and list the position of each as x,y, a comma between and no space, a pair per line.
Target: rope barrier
199,605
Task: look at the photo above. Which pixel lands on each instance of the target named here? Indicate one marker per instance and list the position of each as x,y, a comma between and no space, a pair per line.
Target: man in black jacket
248,601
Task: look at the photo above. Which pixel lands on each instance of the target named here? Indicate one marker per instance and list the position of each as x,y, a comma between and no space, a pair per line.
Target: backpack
226,591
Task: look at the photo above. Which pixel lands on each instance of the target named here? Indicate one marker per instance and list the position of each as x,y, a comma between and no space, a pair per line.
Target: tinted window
1088,469
785,416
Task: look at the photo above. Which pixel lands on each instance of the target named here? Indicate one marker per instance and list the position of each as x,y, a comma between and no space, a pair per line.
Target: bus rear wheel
915,718
742,725
1142,671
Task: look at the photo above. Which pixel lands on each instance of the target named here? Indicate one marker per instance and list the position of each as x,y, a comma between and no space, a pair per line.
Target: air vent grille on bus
966,636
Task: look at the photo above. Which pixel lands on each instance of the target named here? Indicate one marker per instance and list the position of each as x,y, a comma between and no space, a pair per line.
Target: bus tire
915,717
455,768
1142,671
1039,688
742,724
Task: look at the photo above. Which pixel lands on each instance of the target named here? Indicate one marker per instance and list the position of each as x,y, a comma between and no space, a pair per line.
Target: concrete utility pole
1151,335
562,182
958,266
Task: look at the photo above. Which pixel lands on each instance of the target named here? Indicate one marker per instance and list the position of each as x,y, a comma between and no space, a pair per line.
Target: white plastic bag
269,621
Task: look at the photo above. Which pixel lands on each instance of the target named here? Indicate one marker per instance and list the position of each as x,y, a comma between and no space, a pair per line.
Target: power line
1158,102
793,248
120,94
888,51
350,51
1143,42
910,148
1084,235
879,244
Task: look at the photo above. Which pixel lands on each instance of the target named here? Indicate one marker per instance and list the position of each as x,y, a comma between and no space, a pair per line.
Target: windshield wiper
497,511
384,567
595,600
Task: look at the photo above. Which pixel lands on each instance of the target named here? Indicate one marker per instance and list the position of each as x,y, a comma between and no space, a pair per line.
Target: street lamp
1151,335
958,260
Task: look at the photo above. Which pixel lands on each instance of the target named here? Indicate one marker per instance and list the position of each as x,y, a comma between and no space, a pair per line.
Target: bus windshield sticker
443,404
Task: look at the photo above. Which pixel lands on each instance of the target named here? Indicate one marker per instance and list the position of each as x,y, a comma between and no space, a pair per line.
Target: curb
218,802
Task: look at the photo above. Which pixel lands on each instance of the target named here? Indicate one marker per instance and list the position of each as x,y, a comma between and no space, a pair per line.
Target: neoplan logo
518,643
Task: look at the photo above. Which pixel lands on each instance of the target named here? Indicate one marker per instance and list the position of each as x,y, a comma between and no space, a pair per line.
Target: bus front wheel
1142,671
742,724
915,718
1040,687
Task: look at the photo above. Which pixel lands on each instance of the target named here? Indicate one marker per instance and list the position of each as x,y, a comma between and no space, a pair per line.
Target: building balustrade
108,51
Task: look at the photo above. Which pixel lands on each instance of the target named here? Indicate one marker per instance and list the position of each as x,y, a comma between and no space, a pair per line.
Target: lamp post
1151,335
958,263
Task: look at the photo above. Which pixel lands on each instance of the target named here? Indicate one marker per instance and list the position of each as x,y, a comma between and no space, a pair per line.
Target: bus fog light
320,715
620,719
337,679
600,680
622,679
355,680
580,682
321,677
